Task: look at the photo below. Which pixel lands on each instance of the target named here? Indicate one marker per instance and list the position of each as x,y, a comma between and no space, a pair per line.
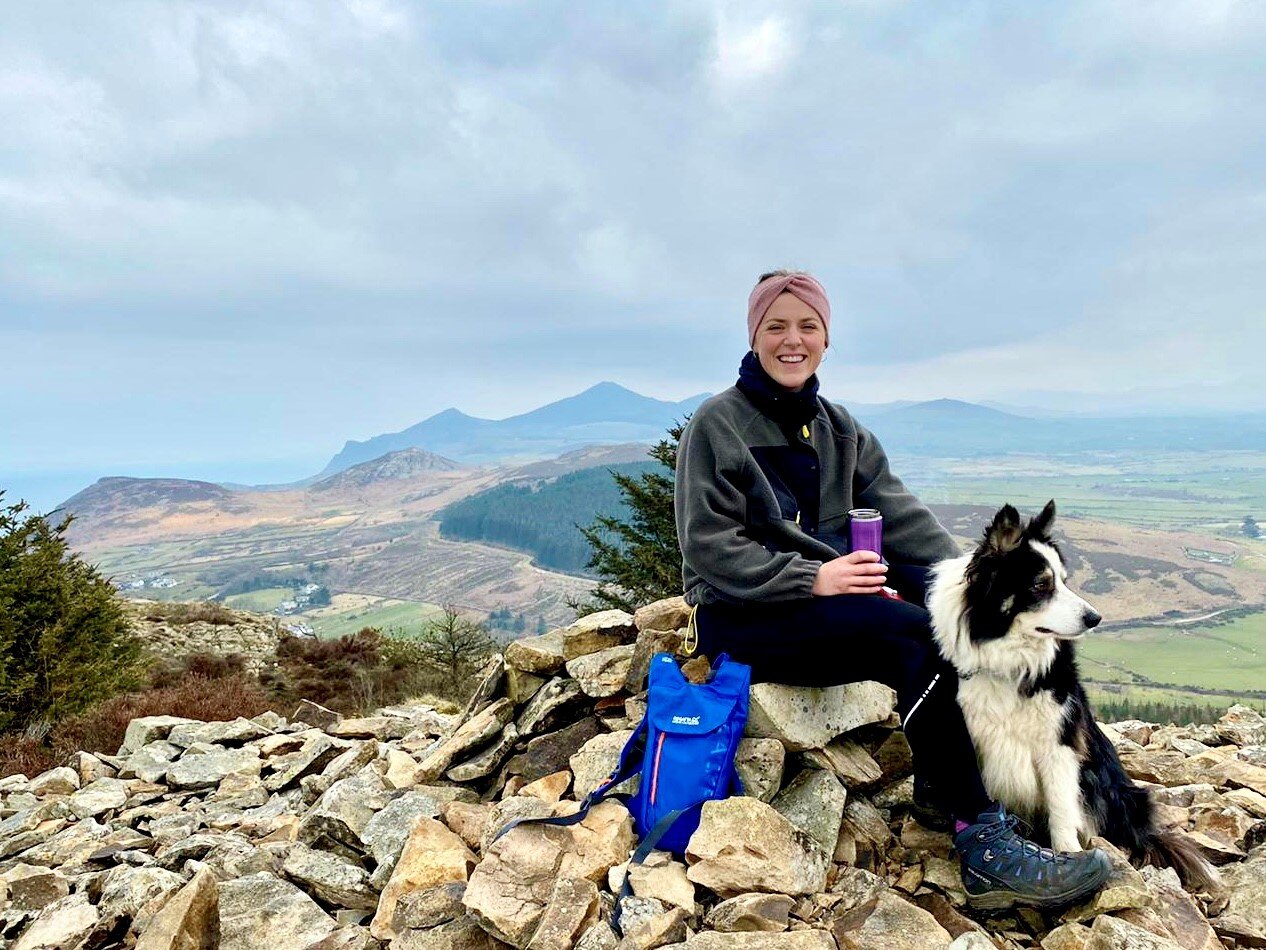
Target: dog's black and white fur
1005,618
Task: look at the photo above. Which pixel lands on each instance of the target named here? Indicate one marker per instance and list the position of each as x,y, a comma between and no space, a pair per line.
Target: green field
1208,492
1230,657
261,601
404,617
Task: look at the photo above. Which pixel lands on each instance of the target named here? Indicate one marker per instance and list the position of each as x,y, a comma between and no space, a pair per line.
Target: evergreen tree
64,640
1250,528
638,559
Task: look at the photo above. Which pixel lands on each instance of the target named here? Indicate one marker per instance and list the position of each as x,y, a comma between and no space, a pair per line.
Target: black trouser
825,641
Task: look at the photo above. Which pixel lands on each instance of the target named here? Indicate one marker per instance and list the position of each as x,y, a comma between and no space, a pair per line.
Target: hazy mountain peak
401,464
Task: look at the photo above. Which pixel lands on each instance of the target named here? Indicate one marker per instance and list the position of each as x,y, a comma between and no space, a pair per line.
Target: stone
58,781
1223,820
597,631
551,752
469,821
370,727
520,685
659,877
593,764
889,923
972,940
314,714
125,890
743,844
345,809
673,613
750,913
487,684
1067,937
402,770
864,835
1244,917
62,924
330,878
667,928
760,763
542,655
1242,726
469,736
602,673
496,820
557,702
1250,801
203,771
649,643
851,763
571,908
432,855
550,788
1125,888
141,732
151,762
32,888
103,795
1177,911
1113,933
260,910
487,761
461,934
814,802
430,907
794,940
235,733
190,920
511,887
809,718
1239,774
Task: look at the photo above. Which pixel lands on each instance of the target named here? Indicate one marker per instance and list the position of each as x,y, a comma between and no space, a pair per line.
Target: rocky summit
325,833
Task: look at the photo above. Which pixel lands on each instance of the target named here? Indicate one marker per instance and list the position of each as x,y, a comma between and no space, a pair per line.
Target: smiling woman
767,473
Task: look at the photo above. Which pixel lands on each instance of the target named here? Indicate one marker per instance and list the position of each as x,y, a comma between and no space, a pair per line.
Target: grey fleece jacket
737,524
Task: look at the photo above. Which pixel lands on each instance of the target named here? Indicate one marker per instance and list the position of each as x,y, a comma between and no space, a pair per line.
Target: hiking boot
1001,869
930,809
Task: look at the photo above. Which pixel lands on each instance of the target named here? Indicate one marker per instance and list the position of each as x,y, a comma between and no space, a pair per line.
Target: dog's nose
1091,618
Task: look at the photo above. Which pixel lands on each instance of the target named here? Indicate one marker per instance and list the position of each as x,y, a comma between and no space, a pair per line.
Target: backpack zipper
659,748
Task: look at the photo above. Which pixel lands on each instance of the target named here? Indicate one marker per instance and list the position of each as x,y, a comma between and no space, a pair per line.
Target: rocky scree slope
325,833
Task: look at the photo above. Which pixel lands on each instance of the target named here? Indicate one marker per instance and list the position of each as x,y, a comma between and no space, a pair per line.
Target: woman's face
790,341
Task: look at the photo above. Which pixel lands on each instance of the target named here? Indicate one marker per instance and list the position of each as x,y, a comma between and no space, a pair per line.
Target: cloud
376,209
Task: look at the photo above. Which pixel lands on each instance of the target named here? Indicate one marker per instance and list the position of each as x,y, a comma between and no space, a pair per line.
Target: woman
766,475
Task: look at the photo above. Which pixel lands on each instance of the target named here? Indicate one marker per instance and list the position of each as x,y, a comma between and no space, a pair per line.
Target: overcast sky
234,235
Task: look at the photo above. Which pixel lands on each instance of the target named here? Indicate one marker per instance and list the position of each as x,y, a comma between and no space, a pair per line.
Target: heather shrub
64,639
207,688
179,614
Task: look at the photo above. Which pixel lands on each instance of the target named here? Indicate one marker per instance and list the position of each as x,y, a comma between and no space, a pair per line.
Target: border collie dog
1006,619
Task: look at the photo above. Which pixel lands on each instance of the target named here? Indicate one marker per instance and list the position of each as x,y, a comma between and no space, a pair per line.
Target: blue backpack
683,749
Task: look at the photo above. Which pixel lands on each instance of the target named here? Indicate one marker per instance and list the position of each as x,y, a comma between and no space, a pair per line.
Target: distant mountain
116,495
606,412
406,463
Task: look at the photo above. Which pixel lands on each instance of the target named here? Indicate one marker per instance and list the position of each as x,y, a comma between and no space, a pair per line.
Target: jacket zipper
659,748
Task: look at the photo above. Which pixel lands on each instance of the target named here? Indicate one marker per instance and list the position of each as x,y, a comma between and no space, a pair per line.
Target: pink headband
800,285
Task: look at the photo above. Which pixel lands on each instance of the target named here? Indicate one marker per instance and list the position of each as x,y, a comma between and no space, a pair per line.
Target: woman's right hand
861,572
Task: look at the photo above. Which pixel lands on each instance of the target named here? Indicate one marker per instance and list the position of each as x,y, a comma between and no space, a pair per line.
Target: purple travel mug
866,530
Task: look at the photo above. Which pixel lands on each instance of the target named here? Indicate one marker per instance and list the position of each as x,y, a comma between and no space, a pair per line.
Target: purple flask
866,530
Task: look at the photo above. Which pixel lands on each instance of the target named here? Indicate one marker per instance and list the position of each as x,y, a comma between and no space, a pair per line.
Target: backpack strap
644,848
630,764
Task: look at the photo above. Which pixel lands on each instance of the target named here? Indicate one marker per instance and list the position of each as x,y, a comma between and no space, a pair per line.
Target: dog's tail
1173,849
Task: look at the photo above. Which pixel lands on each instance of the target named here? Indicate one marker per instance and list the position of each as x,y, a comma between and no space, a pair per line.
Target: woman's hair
781,272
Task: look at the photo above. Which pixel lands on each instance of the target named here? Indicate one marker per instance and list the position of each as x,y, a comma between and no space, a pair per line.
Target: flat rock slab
804,717
743,845
260,910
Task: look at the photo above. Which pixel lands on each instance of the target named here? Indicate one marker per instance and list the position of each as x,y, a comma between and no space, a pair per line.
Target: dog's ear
1040,527
1004,533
